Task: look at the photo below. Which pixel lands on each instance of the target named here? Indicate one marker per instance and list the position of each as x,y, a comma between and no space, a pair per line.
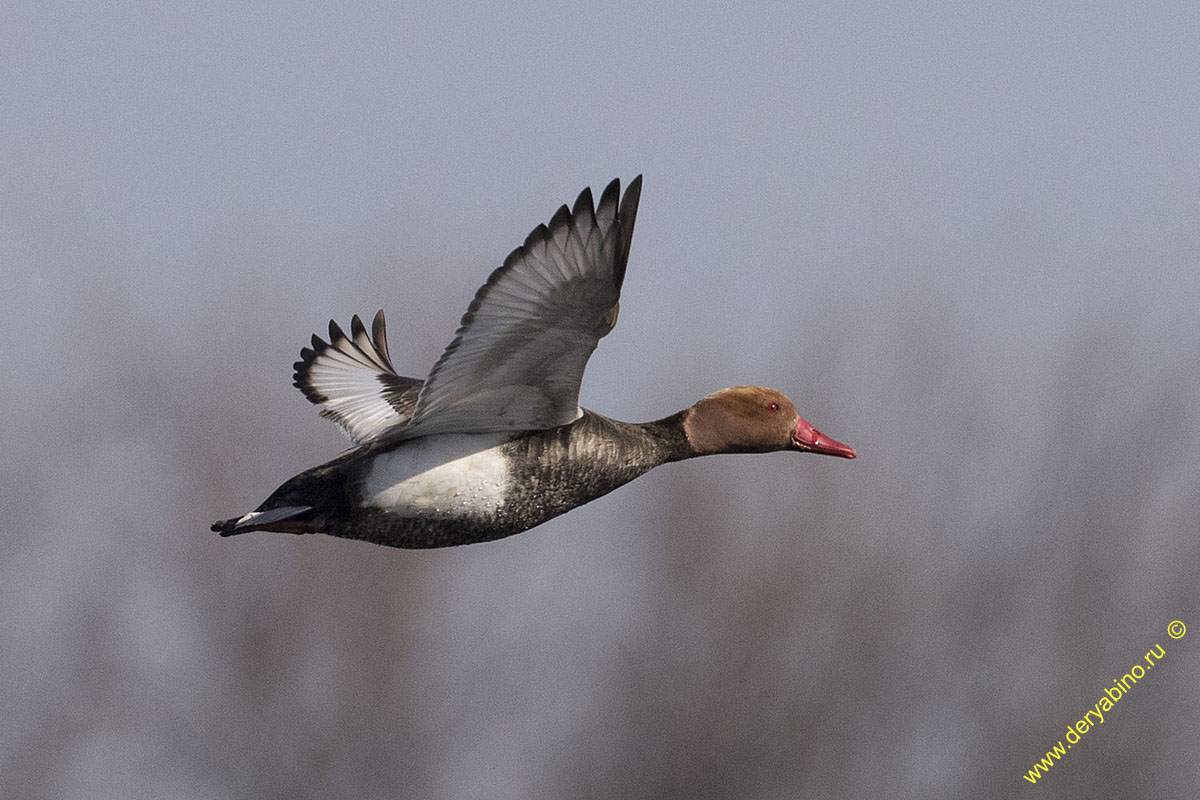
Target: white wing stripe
352,380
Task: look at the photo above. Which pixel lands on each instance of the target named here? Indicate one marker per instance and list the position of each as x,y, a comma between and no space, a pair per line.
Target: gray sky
963,238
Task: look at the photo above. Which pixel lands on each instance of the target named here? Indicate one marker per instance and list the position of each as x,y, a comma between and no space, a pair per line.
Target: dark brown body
550,473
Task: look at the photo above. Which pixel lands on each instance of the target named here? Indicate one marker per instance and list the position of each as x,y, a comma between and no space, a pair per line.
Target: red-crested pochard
493,441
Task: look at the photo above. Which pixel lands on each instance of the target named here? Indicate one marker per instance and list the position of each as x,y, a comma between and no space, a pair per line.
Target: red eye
772,407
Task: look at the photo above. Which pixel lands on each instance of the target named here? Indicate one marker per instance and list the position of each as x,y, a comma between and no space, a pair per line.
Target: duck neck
670,438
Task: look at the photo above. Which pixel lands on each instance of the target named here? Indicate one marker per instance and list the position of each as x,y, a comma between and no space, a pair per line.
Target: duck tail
284,519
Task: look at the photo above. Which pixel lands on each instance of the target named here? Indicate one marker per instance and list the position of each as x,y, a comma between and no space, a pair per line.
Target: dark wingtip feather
629,202
379,334
536,236
561,218
301,368
626,216
583,203
356,327
335,333
609,197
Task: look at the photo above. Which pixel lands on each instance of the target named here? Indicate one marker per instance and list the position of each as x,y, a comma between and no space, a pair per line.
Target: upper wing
353,381
518,357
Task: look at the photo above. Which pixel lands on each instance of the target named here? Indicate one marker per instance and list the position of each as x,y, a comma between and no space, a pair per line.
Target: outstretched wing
519,355
351,378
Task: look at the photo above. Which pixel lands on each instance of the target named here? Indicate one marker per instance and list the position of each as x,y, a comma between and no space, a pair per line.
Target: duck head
754,419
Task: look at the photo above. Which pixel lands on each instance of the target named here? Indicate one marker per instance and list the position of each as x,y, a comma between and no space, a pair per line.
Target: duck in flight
493,442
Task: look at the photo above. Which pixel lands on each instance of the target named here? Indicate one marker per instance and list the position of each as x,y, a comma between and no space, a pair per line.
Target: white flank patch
444,475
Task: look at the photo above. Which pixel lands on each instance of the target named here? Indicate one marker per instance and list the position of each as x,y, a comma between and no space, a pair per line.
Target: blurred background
962,237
